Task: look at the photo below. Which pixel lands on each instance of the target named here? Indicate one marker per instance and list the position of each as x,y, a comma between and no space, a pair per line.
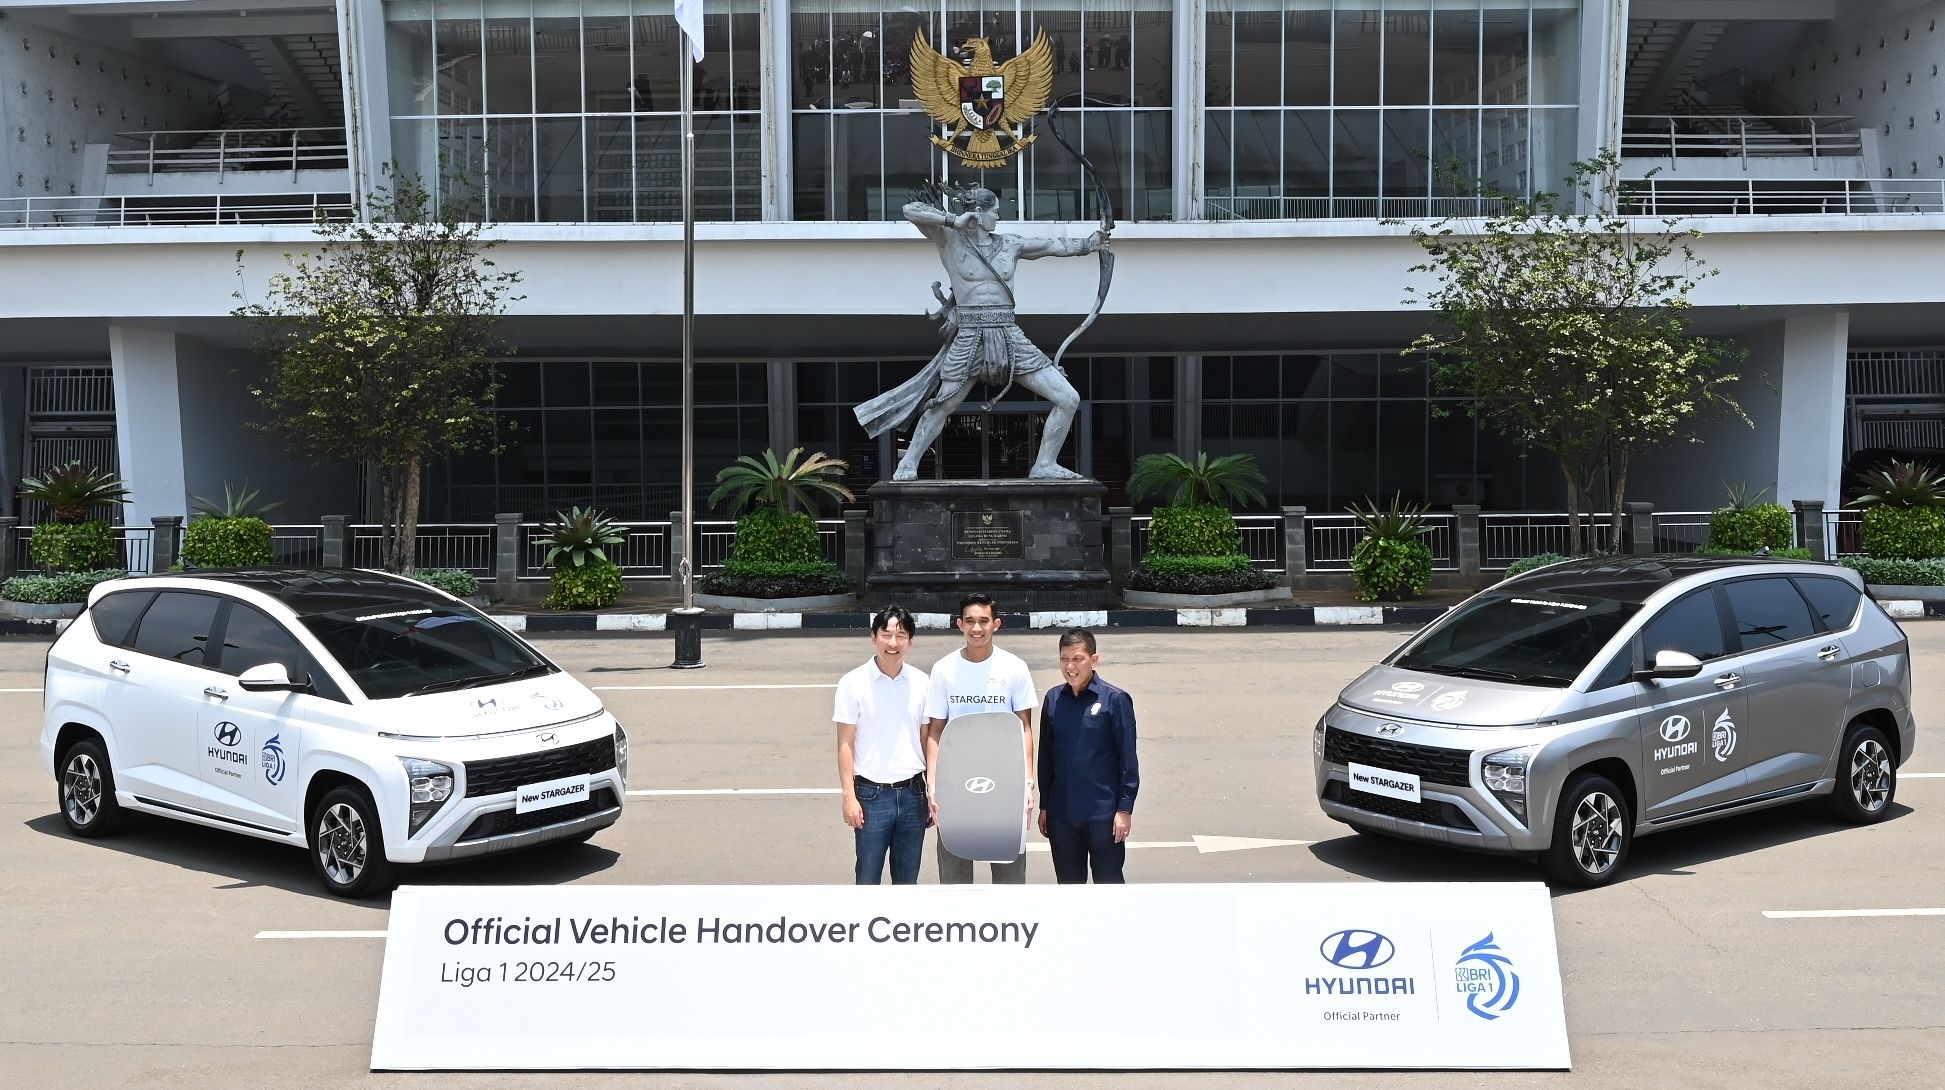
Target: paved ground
132,961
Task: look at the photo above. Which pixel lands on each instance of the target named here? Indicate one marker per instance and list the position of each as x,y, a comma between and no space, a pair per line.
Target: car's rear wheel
87,791
1592,831
1867,776
348,844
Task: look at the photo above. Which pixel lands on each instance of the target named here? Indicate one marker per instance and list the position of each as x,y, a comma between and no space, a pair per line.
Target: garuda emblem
984,102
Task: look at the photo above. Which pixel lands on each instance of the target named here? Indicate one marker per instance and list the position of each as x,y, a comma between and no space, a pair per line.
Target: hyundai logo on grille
548,738
1357,949
1390,728
1674,728
980,785
228,734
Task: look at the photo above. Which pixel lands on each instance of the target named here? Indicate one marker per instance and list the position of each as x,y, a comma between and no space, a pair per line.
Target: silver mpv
1564,712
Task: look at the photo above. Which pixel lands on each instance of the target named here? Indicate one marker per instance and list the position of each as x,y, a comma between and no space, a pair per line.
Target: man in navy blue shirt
1087,771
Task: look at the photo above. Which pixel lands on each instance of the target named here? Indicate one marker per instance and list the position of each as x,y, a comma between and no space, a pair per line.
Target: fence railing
1673,196
467,546
134,545
1843,531
642,554
714,538
1262,539
1680,531
1329,540
1318,208
223,151
1680,136
1506,537
213,210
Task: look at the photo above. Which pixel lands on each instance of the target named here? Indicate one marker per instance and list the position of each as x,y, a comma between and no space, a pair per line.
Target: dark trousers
1081,846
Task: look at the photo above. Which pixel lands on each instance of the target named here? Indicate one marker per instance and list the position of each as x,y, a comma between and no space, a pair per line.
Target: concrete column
856,559
1810,437
9,546
162,546
1641,527
1465,542
1603,79
1121,546
1810,532
506,555
367,96
782,376
1296,548
779,81
1188,405
1191,63
148,422
336,538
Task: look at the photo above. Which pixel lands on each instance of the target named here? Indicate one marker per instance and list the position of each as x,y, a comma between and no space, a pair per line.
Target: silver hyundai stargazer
1564,712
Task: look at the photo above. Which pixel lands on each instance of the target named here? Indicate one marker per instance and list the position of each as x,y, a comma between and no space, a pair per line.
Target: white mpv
366,717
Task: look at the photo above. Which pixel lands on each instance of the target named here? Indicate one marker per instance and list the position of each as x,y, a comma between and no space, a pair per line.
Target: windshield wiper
456,683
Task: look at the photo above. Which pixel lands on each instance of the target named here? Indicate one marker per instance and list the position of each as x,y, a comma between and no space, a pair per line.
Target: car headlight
1317,739
1504,774
621,753
431,785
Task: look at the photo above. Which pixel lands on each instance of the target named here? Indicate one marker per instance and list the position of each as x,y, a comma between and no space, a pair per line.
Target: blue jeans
894,822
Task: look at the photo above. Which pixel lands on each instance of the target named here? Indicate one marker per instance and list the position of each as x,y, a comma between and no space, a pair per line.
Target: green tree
381,345
1570,330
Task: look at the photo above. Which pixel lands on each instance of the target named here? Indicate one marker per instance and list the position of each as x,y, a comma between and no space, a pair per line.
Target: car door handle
1728,681
118,666
1830,652
220,694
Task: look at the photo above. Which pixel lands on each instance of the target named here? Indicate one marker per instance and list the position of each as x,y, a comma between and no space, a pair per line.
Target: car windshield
409,648
1539,638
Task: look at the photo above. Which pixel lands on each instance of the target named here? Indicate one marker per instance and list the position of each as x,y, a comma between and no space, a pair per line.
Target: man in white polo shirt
978,677
880,716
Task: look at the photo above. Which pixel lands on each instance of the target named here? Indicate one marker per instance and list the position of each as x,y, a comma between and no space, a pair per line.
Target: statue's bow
1106,255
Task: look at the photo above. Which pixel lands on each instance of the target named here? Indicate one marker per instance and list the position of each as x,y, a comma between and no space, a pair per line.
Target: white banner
1339,975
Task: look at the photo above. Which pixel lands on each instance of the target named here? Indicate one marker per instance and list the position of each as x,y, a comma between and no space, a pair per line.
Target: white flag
688,15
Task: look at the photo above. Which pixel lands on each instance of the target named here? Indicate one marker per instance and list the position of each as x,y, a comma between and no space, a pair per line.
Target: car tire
348,845
1867,777
86,791
1592,832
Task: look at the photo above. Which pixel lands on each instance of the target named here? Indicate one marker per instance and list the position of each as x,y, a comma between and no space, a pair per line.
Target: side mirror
271,677
1670,666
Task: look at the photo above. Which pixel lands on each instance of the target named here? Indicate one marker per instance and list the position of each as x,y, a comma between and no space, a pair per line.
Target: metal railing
1262,539
1843,531
1329,540
1678,136
1680,531
178,151
1314,208
213,210
642,554
1505,537
464,545
714,538
1670,196
134,546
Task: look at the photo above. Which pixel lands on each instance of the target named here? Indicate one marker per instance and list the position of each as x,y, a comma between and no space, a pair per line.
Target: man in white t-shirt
880,717
977,678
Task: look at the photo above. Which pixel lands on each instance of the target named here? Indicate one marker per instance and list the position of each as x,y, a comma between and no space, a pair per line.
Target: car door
156,708
1795,680
1678,772
268,728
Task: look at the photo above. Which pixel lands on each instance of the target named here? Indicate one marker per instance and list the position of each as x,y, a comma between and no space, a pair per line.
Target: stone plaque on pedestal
1031,544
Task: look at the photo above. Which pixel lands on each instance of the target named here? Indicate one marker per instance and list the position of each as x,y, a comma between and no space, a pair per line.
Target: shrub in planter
1194,529
66,588
1747,525
772,535
73,546
1904,511
1903,573
1392,560
1791,553
1194,546
776,554
1232,574
576,543
772,579
588,586
1540,560
227,543
454,581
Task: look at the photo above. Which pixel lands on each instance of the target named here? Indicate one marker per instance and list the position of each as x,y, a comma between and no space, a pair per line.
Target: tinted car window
1691,625
1767,612
115,615
1832,599
1538,639
411,647
177,627
252,638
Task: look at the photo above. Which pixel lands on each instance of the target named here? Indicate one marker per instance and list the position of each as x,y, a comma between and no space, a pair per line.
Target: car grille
1429,763
503,774
506,822
1428,812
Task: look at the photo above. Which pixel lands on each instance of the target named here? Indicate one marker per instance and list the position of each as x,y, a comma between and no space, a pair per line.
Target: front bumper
1456,815
491,825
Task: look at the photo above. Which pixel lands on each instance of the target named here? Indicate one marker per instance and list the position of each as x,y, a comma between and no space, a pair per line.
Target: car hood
1454,701
522,704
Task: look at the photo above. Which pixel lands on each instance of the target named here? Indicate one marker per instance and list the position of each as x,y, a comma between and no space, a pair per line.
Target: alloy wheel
342,843
81,789
1597,832
1870,775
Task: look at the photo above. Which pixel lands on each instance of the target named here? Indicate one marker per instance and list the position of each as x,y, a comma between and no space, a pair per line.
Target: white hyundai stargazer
364,716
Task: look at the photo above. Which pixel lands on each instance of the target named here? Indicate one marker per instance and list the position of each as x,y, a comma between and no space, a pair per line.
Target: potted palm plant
73,546
577,542
775,562
1195,550
229,533
1903,533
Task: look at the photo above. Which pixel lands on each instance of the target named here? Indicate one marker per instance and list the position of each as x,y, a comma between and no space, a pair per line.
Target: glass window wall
567,111
860,141
1365,108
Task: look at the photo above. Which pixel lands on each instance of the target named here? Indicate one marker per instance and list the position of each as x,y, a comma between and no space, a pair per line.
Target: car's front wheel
1592,831
87,791
348,845
1867,776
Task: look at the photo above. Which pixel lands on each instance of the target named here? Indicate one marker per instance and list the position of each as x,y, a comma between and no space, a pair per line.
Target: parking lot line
320,934
735,791
1921,775
35,690
1851,913
696,688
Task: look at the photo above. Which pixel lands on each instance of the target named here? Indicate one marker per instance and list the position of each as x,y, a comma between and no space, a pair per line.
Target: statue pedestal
1032,545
